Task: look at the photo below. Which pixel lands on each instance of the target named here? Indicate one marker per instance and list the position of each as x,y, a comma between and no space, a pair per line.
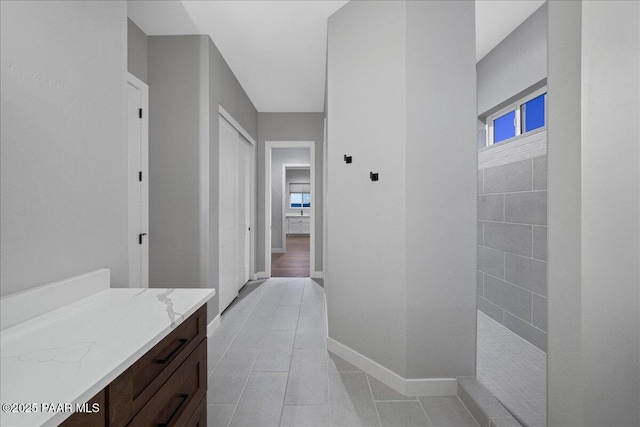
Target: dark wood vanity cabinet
165,387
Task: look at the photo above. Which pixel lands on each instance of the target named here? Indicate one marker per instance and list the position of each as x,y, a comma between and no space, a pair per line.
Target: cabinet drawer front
132,390
180,397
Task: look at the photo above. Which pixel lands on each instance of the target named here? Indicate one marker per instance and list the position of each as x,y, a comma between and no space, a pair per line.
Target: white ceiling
277,49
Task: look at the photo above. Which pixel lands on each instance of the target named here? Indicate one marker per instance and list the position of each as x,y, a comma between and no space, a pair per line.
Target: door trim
269,146
144,186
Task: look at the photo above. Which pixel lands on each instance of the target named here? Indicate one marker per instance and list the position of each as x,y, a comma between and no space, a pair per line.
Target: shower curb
483,405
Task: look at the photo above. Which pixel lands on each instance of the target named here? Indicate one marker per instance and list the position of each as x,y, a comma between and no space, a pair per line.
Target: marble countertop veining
69,354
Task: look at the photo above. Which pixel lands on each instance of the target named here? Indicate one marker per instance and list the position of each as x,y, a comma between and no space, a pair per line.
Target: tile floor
514,370
269,366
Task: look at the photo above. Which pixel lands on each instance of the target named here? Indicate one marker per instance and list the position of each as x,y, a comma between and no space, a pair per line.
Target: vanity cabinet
298,225
167,386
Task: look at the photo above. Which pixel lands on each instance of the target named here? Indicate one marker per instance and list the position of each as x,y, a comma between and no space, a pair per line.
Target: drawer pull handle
171,355
183,398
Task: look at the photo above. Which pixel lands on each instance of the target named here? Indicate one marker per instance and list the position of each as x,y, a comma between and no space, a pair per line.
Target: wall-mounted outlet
373,176
347,159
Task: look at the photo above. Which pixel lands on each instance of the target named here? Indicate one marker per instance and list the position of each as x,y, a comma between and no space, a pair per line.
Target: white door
228,218
244,210
138,156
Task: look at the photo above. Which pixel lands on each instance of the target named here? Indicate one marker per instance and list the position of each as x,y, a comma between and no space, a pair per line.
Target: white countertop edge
59,417
55,418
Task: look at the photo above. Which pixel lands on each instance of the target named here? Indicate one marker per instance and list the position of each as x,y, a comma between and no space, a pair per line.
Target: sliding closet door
228,219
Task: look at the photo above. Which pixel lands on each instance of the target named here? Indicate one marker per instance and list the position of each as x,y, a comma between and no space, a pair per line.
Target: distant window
299,200
526,115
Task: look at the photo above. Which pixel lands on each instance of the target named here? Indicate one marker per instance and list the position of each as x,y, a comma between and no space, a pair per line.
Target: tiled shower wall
512,236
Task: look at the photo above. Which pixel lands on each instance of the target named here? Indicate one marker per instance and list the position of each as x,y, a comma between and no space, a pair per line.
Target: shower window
526,115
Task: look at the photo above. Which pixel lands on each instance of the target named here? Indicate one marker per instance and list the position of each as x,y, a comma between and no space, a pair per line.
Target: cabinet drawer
199,418
179,400
132,390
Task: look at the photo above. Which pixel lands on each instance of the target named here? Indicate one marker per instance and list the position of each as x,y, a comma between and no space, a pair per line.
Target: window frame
517,107
301,198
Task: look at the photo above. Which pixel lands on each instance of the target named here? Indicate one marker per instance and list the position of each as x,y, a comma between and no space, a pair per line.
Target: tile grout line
425,412
293,347
236,334
244,386
375,405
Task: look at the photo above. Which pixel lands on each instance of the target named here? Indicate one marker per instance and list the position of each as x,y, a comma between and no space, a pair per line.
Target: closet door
228,218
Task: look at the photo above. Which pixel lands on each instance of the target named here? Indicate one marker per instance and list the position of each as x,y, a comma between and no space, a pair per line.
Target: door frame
285,166
252,190
269,146
144,186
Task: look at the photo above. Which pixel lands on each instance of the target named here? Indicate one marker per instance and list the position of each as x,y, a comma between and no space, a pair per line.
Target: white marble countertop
69,354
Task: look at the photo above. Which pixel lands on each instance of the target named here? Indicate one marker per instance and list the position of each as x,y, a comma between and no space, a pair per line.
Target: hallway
269,367
295,262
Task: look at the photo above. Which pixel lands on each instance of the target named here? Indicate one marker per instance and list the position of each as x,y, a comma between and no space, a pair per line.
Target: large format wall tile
526,273
540,173
526,331
512,298
507,178
491,207
512,238
540,312
526,208
491,261
540,243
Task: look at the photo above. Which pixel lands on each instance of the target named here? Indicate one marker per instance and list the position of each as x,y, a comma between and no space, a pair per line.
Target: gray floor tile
382,391
275,355
228,379
312,288
292,295
447,411
402,414
305,416
338,364
286,318
219,415
307,383
261,401
351,400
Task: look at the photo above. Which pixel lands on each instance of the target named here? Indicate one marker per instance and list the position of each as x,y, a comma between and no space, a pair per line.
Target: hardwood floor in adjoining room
295,262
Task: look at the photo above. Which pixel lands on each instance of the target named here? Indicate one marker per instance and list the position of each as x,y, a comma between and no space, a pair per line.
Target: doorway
289,220
138,181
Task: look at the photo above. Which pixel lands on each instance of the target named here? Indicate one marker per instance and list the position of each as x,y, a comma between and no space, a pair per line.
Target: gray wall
440,189
174,161
366,286
136,51
515,65
401,269
64,142
512,247
290,127
188,80
279,157
594,214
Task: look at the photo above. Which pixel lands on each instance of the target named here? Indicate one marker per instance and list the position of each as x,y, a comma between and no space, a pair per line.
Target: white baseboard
262,275
407,387
317,275
277,250
213,325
